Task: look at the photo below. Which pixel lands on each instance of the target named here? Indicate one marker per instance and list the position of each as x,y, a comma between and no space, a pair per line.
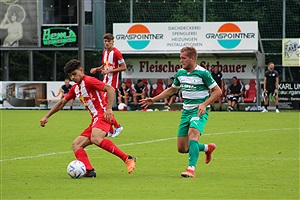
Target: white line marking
148,142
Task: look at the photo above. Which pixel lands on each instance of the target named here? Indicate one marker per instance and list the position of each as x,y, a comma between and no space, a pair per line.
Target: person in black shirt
123,94
64,91
271,81
235,91
218,76
139,92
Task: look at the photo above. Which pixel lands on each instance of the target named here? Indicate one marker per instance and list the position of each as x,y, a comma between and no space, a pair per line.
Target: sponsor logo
58,36
229,35
138,36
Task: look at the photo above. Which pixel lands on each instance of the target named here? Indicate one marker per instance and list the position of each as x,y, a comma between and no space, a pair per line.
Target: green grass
257,157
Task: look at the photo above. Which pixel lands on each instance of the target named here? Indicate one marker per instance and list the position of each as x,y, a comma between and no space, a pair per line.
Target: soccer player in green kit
199,90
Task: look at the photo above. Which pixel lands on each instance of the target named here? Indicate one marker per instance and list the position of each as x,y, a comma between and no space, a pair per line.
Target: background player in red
91,91
112,64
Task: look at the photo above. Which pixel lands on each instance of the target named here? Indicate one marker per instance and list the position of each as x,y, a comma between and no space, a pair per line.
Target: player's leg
220,103
230,107
78,146
119,99
197,125
276,102
186,145
100,128
266,101
71,104
126,100
117,128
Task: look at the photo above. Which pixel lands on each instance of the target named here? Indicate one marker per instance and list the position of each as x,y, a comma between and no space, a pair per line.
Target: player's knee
75,146
181,149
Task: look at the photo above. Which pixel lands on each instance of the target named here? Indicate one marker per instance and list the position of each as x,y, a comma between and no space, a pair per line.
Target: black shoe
90,173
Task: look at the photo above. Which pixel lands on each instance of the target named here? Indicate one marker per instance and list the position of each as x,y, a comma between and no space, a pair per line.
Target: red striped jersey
112,60
90,92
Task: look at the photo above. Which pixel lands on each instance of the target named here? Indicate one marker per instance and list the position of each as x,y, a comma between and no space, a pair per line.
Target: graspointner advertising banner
18,23
206,37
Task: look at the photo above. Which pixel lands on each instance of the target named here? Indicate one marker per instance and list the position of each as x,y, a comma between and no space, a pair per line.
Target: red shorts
97,122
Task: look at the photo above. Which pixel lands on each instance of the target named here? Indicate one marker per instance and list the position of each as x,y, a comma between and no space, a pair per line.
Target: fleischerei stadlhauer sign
59,36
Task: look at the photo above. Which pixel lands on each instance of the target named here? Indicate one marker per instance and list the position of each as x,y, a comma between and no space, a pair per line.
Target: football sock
201,146
112,148
276,106
266,107
115,123
111,130
193,152
81,155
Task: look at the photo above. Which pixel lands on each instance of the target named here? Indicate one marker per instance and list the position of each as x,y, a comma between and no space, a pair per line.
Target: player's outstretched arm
166,93
58,106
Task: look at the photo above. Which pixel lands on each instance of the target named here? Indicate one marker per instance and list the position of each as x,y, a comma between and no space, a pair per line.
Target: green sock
201,147
193,152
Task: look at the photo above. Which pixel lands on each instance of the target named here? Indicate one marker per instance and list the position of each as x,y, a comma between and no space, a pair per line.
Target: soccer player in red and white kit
91,91
112,64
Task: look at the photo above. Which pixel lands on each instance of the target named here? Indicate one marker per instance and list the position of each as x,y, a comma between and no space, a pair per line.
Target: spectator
123,94
64,90
235,91
218,76
139,92
172,98
271,81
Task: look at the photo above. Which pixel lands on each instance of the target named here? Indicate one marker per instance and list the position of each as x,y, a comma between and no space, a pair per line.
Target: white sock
191,168
205,148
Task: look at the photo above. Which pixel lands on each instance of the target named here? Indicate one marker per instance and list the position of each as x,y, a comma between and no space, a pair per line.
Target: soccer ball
76,169
122,107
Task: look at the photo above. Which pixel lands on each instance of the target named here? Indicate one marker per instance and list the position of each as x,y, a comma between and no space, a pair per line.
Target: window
88,7
60,12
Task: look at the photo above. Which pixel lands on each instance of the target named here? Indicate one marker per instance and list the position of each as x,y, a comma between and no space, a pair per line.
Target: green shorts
190,119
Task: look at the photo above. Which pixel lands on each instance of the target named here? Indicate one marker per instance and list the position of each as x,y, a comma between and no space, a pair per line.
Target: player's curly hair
72,65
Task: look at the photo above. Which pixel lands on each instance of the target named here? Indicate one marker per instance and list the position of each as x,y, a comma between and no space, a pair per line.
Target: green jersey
194,86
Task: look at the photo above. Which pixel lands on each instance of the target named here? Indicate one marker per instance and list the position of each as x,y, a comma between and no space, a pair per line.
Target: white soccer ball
76,169
122,106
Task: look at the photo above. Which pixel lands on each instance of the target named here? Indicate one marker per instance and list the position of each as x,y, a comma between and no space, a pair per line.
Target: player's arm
96,69
110,101
265,84
122,67
58,106
215,94
166,93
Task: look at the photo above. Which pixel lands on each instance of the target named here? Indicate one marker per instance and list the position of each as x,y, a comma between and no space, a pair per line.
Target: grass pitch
257,157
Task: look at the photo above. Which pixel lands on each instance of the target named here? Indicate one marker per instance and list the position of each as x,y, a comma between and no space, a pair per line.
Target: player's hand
201,109
146,102
104,72
108,115
93,70
43,121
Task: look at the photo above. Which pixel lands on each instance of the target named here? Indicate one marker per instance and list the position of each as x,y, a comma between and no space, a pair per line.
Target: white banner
32,94
291,52
171,37
165,68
